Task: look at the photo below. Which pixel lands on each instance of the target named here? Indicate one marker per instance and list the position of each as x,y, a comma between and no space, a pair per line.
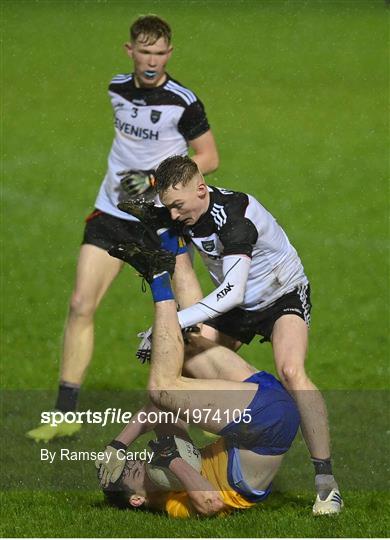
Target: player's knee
292,376
154,395
156,385
159,397
163,392
81,306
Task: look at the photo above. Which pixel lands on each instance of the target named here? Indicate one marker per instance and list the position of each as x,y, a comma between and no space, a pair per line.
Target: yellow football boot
46,432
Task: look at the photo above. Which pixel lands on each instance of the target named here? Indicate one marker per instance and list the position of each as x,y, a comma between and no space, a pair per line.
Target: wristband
118,445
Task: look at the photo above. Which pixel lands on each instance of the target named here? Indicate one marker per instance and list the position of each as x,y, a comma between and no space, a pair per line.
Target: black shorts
243,325
103,230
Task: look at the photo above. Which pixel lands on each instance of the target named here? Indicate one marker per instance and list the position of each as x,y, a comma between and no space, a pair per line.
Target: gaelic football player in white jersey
261,289
154,117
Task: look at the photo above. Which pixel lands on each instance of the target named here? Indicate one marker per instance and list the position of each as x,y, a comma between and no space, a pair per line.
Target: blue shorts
274,419
271,431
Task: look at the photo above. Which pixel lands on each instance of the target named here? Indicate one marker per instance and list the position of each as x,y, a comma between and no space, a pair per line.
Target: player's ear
201,189
136,500
128,48
170,51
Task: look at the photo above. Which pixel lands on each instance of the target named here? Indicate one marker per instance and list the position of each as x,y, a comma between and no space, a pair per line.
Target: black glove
164,451
135,182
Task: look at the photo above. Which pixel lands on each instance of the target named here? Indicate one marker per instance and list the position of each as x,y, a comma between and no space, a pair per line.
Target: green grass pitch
296,93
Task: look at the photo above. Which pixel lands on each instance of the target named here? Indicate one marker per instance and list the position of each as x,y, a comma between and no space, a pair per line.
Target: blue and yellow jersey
214,469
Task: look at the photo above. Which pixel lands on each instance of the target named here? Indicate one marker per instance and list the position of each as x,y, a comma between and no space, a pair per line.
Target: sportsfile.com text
117,416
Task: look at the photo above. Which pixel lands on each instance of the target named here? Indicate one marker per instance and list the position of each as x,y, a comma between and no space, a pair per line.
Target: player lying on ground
155,117
261,288
236,469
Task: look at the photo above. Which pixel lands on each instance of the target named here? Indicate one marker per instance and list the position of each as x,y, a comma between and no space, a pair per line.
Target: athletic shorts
274,419
243,324
103,230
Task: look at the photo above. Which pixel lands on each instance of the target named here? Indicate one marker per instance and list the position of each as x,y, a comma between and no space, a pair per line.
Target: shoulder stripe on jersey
174,90
219,215
186,91
122,75
231,268
185,94
121,78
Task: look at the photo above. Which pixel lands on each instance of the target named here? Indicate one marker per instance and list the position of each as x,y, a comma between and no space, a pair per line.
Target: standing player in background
155,117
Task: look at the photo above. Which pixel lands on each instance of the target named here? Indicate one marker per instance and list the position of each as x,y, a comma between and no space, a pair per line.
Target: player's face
187,203
133,477
149,61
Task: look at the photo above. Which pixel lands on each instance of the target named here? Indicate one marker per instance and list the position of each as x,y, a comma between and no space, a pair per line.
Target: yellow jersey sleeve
178,505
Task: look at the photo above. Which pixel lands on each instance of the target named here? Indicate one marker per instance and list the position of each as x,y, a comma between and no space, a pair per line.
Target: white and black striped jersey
150,124
237,227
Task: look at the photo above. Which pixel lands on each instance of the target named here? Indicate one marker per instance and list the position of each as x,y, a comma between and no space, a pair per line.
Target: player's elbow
209,506
237,298
240,297
214,509
213,162
217,506
210,162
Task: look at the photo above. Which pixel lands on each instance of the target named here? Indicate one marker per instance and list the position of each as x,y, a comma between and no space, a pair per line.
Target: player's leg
190,398
289,341
205,359
168,388
95,272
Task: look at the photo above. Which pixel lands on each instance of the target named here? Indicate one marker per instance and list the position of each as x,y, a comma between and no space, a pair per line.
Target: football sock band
161,288
67,397
171,242
322,466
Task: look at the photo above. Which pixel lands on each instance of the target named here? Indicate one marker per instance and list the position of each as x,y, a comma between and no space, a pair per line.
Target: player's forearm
185,283
151,418
204,496
228,295
137,426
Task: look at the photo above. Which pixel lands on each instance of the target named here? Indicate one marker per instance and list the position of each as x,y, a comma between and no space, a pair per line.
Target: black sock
67,397
322,466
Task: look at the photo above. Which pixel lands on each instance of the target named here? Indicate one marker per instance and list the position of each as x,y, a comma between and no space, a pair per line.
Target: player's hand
111,466
144,351
186,332
135,182
164,451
